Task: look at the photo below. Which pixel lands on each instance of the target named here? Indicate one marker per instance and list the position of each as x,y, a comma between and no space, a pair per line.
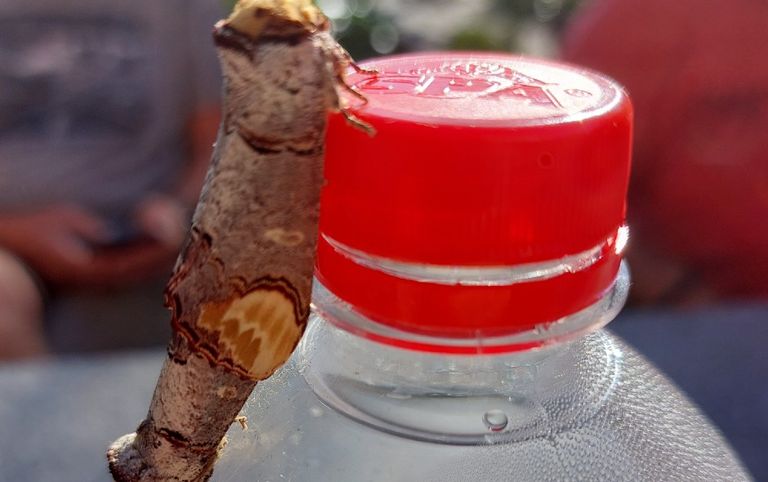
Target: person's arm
56,241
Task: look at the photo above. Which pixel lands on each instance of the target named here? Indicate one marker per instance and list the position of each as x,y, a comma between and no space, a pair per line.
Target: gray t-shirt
95,96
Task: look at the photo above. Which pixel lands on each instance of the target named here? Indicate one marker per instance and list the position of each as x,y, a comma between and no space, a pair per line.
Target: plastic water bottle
470,254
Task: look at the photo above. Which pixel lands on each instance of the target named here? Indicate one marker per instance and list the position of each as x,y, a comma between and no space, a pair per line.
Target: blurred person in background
108,110
698,77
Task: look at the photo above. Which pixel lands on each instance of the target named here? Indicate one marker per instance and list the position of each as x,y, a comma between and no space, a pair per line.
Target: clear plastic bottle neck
553,376
575,325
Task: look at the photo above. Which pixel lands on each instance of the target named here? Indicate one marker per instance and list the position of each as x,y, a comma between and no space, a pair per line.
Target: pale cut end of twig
125,461
250,17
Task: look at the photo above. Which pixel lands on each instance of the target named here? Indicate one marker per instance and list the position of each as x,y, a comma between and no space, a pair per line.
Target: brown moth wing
240,292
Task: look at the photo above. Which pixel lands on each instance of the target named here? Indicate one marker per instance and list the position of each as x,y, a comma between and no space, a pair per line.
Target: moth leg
362,70
352,119
345,60
357,122
357,67
342,60
341,78
348,61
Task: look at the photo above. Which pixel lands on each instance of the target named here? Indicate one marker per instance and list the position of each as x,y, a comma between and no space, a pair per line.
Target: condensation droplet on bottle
495,420
316,411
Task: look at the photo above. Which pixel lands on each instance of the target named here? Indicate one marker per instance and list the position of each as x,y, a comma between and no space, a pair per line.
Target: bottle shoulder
635,426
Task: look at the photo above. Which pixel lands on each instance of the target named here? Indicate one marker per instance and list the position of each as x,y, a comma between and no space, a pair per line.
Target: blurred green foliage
551,12
475,38
357,34
365,29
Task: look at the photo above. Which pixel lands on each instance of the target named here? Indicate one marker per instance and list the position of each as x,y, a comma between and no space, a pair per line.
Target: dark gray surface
57,417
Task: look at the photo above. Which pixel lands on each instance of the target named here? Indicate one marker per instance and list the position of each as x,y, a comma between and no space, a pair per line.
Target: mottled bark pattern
239,295
191,410
254,231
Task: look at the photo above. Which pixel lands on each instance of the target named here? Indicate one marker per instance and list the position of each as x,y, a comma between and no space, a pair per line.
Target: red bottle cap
490,200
